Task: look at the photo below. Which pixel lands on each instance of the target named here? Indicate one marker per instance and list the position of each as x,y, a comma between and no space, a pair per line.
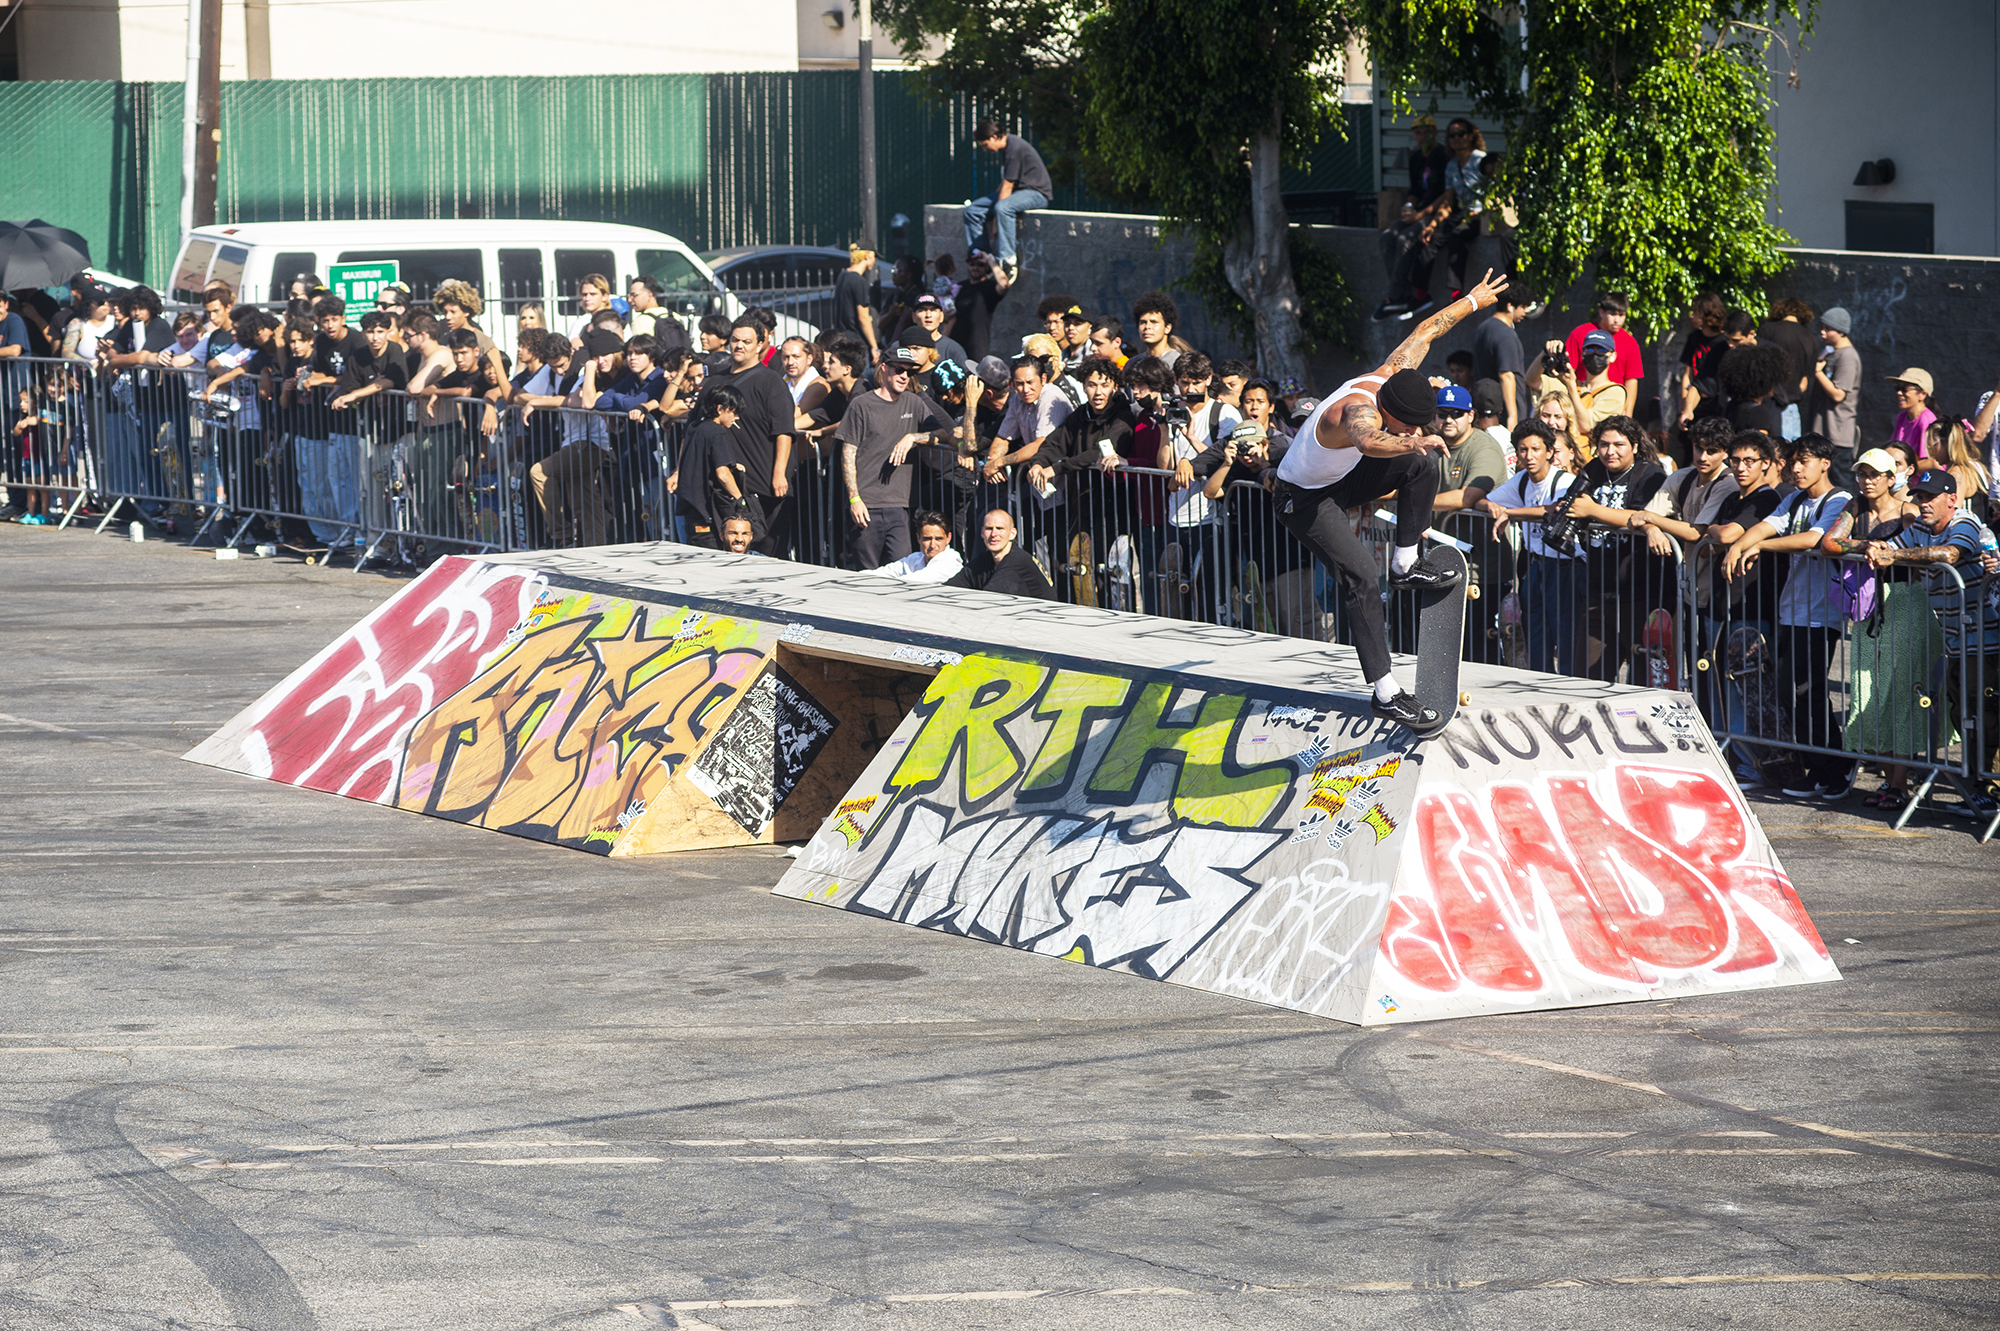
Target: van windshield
191,273
684,287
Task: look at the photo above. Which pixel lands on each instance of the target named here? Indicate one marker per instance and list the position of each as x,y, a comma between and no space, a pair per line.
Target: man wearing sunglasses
876,434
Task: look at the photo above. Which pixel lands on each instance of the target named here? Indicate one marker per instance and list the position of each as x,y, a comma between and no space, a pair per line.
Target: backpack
1852,587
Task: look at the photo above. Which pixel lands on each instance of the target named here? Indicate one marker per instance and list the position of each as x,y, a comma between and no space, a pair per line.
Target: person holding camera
1370,437
1593,397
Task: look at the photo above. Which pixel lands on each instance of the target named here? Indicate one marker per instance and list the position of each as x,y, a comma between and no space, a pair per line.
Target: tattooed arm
1362,424
1881,554
1418,344
856,509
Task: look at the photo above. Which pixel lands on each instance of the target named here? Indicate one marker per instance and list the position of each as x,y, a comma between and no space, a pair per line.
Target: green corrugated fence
719,160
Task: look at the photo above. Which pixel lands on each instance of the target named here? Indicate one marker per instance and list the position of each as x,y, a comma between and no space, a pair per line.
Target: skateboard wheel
1471,593
1924,700
1701,663
1465,700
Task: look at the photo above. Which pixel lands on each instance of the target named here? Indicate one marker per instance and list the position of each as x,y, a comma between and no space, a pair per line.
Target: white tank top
1308,464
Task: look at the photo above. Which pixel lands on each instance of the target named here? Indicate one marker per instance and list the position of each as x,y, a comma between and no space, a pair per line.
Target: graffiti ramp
1206,806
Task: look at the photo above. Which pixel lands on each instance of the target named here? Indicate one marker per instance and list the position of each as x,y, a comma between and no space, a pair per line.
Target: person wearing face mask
1590,397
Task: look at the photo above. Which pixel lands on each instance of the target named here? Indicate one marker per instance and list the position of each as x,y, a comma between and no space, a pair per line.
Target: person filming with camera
1594,397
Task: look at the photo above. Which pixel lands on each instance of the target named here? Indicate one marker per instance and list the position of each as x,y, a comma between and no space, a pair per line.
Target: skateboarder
1367,438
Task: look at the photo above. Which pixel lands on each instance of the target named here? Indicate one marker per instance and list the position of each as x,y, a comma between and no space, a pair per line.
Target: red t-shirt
1625,361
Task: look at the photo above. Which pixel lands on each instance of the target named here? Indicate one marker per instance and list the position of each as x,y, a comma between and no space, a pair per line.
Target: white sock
1402,559
1386,688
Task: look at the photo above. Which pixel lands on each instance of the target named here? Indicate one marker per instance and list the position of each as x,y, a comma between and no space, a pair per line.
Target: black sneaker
11,512
1391,309
1425,577
1424,306
1408,713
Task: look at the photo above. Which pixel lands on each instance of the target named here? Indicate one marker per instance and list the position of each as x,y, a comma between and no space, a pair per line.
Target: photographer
1597,398
1201,466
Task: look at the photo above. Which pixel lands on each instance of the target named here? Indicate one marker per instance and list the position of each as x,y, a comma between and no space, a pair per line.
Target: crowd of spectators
1105,460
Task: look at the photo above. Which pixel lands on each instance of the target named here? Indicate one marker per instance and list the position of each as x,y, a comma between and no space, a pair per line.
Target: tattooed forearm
1418,344
1363,424
847,456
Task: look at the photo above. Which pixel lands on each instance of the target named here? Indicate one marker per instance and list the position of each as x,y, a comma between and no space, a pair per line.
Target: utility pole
867,68
201,114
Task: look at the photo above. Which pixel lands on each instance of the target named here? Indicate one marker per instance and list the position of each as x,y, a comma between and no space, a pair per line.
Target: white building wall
1915,83
328,39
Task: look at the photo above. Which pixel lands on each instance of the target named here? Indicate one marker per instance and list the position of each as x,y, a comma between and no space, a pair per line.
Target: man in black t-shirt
1790,327
138,348
342,354
763,436
854,302
1024,184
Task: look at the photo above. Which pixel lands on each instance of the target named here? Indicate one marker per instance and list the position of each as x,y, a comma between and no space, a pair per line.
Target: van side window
286,267
424,271
228,267
520,277
687,289
572,266
191,273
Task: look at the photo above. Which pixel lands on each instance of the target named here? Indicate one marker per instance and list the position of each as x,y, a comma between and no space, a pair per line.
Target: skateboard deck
1122,573
1083,569
1173,581
1255,613
1441,636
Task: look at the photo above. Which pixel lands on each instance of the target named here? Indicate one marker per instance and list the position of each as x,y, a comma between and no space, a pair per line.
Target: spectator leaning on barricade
1196,451
1809,626
1895,640
1967,612
1472,466
1092,442
143,406
569,484
1622,583
1691,500
1914,411
933,561
1024,184
763,436
341,356
1555,575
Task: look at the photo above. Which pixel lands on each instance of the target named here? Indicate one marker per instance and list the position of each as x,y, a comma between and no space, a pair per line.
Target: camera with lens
1555,360
1560,526
1173,411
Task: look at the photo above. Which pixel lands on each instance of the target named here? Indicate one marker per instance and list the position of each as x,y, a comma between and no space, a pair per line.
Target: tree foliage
1194,105
1641,145
1014,58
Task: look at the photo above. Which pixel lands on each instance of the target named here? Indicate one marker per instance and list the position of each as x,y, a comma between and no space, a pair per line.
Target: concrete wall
1913,83
1941,314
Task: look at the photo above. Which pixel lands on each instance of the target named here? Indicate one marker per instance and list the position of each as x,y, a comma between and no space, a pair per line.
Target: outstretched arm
1363,424
1418,344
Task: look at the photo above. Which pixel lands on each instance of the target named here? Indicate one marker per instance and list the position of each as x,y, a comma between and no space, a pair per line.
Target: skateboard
1659,650
1083,569
1255,614
313,554
464,502
1123,575
1746,663
1173,581
1441,636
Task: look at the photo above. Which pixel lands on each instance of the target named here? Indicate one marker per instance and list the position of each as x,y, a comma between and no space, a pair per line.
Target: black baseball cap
903,357
1933,481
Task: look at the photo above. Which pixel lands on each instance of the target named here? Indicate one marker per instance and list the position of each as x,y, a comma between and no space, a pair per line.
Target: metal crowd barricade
51,429
1883,690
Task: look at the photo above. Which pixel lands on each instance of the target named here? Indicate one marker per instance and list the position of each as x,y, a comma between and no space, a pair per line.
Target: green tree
1195,105
1641,144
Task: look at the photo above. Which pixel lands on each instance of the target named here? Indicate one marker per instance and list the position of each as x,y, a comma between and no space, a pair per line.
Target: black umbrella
35,254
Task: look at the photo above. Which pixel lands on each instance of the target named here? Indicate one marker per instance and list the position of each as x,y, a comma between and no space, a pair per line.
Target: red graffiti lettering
1531,849
1468,881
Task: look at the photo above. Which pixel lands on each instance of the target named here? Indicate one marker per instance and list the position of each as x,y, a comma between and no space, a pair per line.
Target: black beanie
1409,397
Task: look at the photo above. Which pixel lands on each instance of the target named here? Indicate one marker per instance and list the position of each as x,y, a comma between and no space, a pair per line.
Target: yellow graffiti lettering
966,706
1381,822
1203,791
1333,779
1068,701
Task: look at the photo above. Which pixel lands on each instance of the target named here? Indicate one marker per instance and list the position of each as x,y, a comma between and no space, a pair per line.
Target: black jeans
1319,519
885,539
1979,676
1805,661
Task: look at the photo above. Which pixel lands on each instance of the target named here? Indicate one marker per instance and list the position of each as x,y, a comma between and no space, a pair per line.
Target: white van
510,263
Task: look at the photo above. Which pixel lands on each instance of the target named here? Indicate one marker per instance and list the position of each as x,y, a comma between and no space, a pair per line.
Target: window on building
1890,228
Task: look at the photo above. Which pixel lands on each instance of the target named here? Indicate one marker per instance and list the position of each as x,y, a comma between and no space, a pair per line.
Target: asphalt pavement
275,1059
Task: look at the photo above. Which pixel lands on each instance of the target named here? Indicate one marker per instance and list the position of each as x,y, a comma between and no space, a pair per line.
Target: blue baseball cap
1453,398
1599,340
